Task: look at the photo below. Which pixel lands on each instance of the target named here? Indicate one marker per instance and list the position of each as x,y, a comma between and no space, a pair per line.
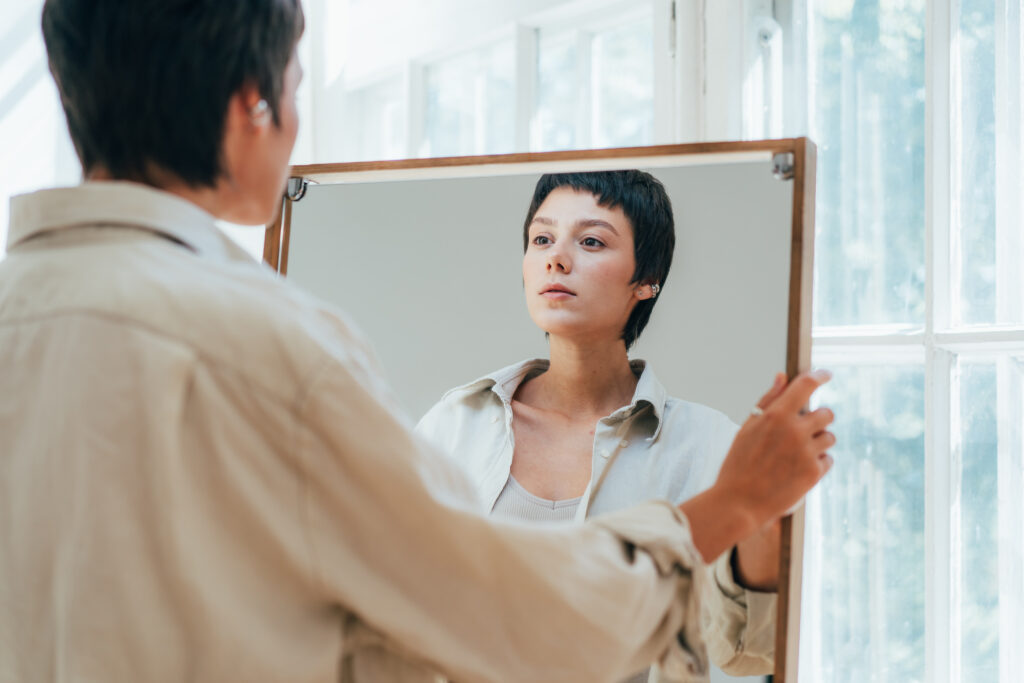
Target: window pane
470,103
623,80
975,441
558,92
863,595
989,460
595,88
376,122
981,297
867,117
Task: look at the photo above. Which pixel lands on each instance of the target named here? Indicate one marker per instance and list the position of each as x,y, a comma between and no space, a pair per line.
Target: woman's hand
777,456
781,454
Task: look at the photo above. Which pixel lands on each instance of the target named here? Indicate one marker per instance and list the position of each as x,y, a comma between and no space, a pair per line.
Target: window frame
940,340
678,98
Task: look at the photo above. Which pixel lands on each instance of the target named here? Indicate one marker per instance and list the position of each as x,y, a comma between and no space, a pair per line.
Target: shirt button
604,453
495,419
623,443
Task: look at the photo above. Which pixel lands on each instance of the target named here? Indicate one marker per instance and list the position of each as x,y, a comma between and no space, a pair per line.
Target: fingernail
822,375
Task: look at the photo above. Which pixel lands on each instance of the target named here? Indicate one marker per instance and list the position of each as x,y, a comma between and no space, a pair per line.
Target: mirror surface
431,270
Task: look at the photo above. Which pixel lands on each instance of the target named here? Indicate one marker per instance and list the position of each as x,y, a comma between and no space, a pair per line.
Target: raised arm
392,542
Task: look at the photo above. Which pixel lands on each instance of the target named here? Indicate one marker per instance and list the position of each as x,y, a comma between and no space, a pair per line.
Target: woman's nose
558,261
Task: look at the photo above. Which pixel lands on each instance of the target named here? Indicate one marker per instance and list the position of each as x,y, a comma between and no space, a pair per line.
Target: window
595,85
377,121
469,103
576,75
914,566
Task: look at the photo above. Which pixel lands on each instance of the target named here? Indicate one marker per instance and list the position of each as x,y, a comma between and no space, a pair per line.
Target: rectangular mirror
426,256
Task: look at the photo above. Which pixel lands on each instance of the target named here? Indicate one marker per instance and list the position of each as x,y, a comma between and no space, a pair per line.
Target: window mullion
938,161
415,99
938,581
663,31
940,640
1009,152
585,79
1010,409
527,70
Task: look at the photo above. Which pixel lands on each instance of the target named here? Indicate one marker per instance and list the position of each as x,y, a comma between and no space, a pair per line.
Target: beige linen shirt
203,478
657,446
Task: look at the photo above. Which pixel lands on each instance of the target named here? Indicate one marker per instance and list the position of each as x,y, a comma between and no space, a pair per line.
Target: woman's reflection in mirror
588,430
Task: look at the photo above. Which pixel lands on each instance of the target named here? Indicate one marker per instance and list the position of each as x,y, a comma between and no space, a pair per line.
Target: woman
590,431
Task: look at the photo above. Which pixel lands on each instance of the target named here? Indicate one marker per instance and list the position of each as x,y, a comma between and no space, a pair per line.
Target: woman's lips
557,292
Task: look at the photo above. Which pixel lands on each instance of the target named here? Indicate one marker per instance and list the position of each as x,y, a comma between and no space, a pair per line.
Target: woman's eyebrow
581,223
595,223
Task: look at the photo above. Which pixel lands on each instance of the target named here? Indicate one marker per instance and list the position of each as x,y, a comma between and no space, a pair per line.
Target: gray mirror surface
430,269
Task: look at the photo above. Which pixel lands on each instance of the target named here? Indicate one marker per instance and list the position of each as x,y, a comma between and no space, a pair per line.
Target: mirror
426,257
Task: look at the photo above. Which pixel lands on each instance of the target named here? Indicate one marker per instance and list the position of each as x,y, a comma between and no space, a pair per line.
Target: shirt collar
118,203
649,391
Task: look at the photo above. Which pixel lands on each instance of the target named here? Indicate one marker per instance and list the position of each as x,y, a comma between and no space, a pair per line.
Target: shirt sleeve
739,624
393,542
434,428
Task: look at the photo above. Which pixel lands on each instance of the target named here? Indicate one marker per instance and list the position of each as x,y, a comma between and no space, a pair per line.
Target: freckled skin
595,261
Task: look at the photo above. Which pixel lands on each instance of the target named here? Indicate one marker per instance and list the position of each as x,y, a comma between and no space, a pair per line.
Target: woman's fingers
777,388
798,393
822,442
816,420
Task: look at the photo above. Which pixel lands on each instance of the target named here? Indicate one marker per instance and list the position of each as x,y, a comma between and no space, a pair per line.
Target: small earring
260,114
654,290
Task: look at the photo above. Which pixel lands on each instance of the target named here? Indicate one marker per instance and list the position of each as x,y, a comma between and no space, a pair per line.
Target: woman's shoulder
682,417
485,384
682,409
691,445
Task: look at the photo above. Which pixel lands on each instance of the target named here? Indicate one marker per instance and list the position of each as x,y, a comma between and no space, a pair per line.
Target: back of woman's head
645,203
145,84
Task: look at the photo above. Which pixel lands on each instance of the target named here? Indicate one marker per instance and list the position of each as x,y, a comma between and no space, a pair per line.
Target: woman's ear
248,111
646,291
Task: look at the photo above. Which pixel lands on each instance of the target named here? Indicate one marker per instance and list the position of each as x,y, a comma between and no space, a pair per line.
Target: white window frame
583,19
939,342
694,52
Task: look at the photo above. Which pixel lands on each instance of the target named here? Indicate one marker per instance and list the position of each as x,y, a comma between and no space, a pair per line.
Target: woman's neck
587,378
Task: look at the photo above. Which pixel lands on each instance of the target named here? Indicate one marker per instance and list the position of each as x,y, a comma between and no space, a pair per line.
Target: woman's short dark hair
145,84
643,199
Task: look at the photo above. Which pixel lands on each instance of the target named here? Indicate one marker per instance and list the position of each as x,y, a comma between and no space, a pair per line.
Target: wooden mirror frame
794,159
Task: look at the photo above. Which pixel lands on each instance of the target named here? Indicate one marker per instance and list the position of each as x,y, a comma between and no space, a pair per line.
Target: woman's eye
541,240
592,242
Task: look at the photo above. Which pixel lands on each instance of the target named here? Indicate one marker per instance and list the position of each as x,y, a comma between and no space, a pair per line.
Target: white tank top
515,502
